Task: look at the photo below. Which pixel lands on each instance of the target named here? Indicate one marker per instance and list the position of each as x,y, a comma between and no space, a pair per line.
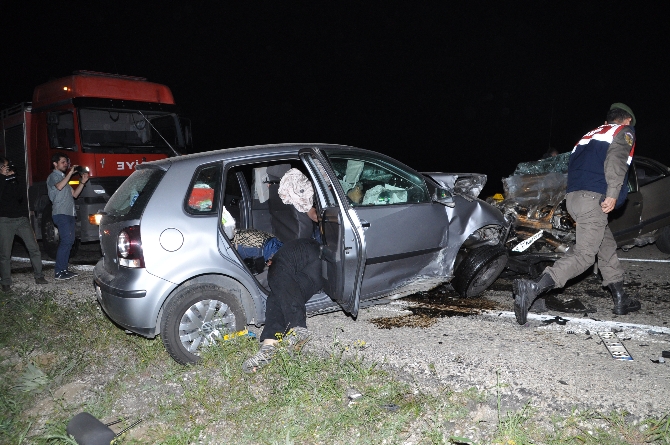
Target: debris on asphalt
614,345
571,306
557,319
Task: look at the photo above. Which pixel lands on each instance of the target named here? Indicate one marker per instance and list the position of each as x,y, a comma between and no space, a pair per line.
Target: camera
11,167
78,170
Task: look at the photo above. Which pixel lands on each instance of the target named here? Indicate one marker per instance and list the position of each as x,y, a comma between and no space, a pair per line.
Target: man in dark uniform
597,184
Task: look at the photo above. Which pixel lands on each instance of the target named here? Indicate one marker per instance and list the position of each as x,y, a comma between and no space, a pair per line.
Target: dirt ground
552,364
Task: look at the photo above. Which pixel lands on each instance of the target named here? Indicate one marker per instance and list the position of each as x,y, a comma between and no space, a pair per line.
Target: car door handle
365,224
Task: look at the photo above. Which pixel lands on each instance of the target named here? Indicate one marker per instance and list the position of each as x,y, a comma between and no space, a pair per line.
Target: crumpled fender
466,217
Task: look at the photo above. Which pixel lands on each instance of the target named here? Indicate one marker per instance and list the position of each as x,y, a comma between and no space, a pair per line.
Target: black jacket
13,202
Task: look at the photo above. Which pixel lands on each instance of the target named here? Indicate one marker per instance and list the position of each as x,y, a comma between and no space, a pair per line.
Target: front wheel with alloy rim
479,270
197,317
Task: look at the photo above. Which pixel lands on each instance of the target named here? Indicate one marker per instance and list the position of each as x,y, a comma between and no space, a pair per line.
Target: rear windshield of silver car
129,200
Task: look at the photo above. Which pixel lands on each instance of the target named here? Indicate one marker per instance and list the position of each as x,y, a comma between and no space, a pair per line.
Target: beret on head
625,108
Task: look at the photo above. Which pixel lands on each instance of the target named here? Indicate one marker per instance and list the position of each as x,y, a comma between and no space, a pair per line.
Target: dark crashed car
169,266
542,230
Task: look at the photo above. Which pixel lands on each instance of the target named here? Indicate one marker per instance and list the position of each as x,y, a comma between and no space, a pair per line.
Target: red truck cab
108,123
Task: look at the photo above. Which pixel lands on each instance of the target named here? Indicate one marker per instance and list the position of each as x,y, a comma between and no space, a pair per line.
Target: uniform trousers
594,237
293,277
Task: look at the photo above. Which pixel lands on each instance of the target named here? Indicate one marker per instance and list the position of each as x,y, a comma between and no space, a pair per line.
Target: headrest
275,172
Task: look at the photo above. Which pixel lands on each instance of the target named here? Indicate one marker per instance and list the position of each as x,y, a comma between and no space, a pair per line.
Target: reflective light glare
123,244
130,263
94,219
64,88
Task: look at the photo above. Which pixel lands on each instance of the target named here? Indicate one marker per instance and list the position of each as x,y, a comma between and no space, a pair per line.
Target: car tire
50,238
479,270
187,325
663,240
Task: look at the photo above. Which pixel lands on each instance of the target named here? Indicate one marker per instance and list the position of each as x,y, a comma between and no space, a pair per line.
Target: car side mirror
444,196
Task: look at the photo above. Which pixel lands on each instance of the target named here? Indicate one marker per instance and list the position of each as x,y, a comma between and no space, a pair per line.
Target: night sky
474,88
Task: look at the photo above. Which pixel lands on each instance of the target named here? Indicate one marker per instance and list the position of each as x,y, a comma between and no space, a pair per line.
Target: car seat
287,222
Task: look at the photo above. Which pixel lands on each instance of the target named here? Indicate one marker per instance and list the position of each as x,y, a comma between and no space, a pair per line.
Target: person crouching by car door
294,277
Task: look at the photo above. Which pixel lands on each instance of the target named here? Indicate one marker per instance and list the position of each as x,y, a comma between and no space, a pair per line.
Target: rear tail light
129,247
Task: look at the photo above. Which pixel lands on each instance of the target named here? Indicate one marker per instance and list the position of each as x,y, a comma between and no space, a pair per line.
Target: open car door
342,240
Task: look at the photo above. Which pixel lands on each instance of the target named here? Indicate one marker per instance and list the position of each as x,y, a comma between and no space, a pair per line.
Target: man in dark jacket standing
14,221
597,184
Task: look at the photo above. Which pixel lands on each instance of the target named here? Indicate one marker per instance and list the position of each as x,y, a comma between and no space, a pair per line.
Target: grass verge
58,361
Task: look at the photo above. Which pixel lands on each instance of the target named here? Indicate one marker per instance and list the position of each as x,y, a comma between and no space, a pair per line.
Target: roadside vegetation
56,362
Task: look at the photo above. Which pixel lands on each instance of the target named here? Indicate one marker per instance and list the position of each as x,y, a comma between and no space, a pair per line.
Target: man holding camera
62,197
14,221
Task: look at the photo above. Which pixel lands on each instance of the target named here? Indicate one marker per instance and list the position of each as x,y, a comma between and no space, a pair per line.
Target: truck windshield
127,131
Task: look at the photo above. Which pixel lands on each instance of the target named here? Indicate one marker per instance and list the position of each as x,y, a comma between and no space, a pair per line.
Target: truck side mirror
188,134
444,196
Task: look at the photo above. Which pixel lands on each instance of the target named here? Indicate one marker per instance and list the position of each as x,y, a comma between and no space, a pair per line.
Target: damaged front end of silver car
541,229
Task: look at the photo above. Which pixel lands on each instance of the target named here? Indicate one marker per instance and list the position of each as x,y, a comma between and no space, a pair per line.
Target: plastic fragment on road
614,346
242,333
352,396
558,320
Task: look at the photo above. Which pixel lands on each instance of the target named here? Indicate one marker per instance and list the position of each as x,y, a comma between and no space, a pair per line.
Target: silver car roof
253,152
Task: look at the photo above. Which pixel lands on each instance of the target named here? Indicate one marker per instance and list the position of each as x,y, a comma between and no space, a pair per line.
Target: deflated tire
479,270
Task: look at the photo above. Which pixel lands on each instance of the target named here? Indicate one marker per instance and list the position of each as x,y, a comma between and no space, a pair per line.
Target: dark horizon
474,89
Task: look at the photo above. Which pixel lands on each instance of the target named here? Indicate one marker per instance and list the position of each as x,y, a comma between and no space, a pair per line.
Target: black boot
623,304
526,291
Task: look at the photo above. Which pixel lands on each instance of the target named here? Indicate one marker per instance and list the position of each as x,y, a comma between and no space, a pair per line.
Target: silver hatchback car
386,231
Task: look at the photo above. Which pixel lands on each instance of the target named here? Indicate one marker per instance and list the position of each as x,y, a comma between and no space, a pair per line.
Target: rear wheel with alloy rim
197,317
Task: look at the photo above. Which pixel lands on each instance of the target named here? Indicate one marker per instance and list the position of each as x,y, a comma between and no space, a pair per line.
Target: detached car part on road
542,229
169,267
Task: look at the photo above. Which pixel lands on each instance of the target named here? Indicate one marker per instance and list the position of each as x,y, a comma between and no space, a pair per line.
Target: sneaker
41,280
296,338
262,358
73,272
65,275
